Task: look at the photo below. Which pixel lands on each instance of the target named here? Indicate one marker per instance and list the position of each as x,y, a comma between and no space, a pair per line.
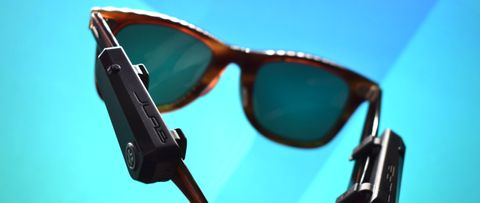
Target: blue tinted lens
175,60
298,102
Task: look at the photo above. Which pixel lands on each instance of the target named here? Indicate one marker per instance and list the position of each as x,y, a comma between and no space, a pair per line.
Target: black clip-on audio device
154,153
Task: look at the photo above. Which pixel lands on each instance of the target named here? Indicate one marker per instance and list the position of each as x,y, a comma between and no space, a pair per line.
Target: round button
130,156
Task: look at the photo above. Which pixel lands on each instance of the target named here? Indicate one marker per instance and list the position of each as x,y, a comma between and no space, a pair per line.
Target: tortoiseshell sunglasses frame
360,88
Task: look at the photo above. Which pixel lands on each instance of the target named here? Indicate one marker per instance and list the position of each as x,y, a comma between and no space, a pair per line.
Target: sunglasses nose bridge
229,59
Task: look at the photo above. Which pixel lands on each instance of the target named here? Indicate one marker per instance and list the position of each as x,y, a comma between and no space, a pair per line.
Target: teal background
58,144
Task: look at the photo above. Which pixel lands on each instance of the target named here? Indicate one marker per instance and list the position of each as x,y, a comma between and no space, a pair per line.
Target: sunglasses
290,97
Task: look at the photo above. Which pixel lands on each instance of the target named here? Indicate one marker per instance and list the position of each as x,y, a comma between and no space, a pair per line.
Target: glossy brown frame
360,88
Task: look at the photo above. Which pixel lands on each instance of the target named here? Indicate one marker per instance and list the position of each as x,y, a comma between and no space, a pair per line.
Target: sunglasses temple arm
186,183
102,32
372,120
362,170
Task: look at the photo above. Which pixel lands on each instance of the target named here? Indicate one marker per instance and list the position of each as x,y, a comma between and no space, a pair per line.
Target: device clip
369,146
181,140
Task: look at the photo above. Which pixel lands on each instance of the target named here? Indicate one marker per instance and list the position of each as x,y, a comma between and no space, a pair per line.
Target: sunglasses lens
298,102
175,60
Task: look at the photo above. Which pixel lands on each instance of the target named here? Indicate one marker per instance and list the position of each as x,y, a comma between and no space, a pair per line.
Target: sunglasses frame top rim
360,87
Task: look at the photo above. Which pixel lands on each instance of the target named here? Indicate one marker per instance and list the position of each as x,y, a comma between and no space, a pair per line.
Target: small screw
130,156
113,68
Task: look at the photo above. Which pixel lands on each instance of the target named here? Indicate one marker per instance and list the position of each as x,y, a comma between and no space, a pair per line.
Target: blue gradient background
58,144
